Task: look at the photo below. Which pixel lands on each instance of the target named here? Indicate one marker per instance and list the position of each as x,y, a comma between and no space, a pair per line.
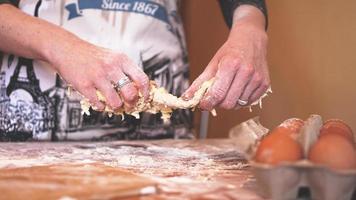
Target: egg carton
284,181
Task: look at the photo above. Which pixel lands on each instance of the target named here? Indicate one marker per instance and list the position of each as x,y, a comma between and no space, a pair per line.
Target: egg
277,147
336,126
334,151
293,124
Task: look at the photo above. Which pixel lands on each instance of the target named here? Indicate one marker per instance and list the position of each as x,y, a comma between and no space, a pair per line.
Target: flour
159,101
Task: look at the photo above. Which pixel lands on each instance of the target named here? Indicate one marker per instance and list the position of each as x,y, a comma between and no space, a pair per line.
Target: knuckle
258,79
112,62
229,62
101,75
144,80
218,95
107,62
248,71
121,59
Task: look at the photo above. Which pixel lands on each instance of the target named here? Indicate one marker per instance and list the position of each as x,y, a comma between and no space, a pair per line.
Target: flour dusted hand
240,65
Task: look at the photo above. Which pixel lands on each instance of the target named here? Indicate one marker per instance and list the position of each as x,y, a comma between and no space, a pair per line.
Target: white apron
33,99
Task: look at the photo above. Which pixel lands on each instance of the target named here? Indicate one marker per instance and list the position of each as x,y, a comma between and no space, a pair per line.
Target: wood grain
77,181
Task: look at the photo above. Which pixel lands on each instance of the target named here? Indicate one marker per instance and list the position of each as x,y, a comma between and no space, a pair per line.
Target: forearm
27,36
86,67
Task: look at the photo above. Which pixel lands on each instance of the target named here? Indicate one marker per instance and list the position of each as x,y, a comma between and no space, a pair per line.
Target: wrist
249,22
248,15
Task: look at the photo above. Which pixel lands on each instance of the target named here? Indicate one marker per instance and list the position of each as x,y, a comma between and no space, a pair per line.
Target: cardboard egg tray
283,181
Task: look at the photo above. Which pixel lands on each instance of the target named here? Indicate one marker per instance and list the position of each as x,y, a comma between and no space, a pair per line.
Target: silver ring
122,82
242,102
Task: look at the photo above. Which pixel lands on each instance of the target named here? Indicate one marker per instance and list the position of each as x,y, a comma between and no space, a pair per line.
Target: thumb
207,74
189,93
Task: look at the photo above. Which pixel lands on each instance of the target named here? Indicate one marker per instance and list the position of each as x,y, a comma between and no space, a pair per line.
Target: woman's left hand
239,68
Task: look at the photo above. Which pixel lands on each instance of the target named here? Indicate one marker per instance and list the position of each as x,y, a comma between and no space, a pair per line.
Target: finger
242,78
251,87
223,80
262,89
128,92
90,94
112,97
189,93
138,77
205,76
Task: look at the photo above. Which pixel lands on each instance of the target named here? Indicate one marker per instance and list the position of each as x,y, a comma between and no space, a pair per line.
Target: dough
159,101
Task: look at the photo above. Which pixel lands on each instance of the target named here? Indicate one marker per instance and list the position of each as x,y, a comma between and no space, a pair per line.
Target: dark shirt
228,7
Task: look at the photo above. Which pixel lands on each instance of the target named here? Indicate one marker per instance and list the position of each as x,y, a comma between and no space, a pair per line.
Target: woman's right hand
84,66
88,68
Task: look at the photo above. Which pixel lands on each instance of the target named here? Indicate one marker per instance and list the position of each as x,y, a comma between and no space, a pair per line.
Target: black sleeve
228,7
13,2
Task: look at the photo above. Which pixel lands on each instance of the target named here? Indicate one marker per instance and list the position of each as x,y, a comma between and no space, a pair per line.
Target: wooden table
180,169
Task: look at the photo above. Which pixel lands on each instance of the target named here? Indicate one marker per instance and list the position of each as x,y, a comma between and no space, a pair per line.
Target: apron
34,103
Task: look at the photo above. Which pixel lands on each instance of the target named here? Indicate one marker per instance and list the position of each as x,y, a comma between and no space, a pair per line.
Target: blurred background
311,55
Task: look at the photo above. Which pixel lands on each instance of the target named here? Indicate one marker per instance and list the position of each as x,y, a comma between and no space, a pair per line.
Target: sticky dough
159,101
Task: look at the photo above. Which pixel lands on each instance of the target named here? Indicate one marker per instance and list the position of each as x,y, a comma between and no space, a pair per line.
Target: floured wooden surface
182,169
76,181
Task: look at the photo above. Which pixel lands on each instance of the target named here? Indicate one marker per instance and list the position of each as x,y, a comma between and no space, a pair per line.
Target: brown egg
278,147
293,124
334,151
336,126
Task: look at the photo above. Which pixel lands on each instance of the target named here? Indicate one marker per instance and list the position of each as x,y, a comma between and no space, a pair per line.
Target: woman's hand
239,66
84,66
88,68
